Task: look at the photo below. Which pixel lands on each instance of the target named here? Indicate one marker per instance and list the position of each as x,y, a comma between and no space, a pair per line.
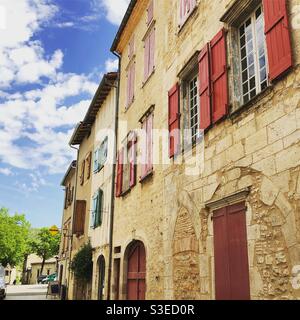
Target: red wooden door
231,254
136,273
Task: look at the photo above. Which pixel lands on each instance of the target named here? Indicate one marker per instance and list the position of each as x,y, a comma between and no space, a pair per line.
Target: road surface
28,292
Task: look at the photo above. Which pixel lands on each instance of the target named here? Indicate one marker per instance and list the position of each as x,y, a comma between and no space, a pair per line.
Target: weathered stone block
234,174
292,139
266,166
244,131
289,158
235,152
282,127
268,151
224,144
256,141
245,182
268,192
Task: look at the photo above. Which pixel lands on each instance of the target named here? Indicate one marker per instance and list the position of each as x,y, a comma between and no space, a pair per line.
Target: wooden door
231,253
136,272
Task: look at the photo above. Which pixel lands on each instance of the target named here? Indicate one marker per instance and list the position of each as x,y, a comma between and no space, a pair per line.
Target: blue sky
53,54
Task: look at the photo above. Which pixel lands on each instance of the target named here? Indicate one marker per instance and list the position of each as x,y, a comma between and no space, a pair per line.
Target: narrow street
28,292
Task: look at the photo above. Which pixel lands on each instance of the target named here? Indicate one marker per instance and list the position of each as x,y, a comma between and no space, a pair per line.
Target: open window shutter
151,50
119,173
146,57
150,12
128,87
277,37
174,121
79,217
132,79
93,212
133,151
219,81
89,159
66,197
82,173
204,88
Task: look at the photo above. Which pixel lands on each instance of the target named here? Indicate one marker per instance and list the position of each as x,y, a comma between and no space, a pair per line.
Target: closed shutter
231,253
93,212
131,48
219,82
150,13
277,37
98,210
132,80
174,121
89,163
82,173
204,88
133,151
119,173
79,217
66,197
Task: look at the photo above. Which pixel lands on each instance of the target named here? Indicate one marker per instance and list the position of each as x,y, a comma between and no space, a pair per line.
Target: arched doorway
136,271
101,277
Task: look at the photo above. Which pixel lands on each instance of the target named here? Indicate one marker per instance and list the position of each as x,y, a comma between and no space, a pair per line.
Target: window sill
188,18
125,193
148,79
235,113
147,176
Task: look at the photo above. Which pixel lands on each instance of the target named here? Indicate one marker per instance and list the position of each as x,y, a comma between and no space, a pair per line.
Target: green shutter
100,206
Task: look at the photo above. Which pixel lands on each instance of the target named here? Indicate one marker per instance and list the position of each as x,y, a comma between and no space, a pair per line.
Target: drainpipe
72,219
112,202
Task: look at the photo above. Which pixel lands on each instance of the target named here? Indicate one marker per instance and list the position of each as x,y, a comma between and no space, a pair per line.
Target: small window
97,209
186,7
100,156
193,105
253,56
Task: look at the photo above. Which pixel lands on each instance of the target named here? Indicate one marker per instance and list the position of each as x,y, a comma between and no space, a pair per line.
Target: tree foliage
14,232
45,245
82,263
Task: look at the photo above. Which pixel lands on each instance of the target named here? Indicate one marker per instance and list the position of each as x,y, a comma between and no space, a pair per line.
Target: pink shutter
132,79
128,87
144,150
150,143
150,13
277,37
219,81
204,88
119,177
151,50
133,161
131,48
146,57
174,121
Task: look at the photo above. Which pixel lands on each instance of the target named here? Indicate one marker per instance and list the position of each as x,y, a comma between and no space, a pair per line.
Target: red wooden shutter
149,143
133,161
174,121
219,82
150,13
231,253
119,173
204,88
277,37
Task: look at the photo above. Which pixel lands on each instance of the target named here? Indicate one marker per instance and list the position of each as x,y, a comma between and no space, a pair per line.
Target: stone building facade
181,234
68,183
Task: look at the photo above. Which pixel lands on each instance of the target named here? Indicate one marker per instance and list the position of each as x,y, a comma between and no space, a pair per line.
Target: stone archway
186,274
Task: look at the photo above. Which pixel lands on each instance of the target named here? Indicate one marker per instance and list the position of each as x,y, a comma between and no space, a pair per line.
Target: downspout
72,222
112,202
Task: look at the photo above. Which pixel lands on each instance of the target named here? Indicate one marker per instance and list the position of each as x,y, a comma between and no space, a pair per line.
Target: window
126,167
150,13
253,55
100,156
97,209
147,147
149,44
79,217
186,7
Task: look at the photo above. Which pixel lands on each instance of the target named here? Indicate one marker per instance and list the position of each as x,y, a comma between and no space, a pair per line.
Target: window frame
256,62
99,151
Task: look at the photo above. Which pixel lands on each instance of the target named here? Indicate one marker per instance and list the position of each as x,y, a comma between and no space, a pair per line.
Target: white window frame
257,69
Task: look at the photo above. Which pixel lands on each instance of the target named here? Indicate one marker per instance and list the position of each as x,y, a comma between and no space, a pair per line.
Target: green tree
13,237
82,263
46,245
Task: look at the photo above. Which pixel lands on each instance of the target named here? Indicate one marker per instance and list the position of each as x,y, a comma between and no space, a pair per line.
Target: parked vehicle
2,283
52,277
41,278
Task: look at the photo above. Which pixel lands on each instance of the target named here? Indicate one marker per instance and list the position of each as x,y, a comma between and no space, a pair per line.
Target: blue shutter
96,163
93,213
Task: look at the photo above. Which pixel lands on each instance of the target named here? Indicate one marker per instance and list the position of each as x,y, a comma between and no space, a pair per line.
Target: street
27,292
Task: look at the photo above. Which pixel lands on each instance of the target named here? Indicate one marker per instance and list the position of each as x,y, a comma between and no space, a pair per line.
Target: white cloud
115,10
6,172
111,65
67,24
35,125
